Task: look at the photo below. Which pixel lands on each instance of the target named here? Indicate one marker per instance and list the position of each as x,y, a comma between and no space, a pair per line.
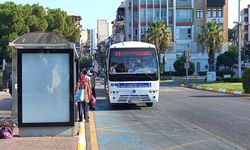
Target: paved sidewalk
31,143
39,143
43,143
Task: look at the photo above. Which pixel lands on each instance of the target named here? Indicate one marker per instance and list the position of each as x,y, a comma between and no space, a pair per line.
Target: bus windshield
133,61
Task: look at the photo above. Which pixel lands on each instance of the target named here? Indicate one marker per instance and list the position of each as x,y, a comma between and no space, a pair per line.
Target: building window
163,14
143,15
183,33
214,13
170,16
199,13
135,3
209,13
156,2
184,15
183,2
150,2
200,1
157,14
135,15
143,30
163,2
150,14
198,67
143,2
220,12
189,33
170,3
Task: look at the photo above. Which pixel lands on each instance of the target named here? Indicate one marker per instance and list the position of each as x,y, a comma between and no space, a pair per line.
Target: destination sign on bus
132,85
133,53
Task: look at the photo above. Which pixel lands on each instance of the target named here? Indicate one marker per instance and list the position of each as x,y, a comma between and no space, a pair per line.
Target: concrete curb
167,81
221,90
190,78
81,139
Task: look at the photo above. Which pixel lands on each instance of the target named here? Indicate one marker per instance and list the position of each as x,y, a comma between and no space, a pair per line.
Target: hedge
246,80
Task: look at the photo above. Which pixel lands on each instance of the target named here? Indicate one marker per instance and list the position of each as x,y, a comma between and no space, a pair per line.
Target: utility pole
187,65
239,43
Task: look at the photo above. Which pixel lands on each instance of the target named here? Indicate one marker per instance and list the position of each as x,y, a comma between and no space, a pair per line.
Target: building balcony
183,3
183,19
217,20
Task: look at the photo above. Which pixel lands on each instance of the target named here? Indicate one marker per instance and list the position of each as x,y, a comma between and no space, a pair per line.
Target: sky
233,10
91,10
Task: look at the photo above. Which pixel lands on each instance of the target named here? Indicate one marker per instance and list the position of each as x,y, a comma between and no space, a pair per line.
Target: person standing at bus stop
85,82
92,74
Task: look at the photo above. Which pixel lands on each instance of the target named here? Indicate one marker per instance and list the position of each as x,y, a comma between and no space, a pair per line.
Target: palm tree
211,39
159,35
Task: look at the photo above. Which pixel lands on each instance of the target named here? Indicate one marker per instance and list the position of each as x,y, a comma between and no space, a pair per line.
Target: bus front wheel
149,104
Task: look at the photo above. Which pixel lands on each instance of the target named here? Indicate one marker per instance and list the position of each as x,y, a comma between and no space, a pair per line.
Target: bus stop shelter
44,70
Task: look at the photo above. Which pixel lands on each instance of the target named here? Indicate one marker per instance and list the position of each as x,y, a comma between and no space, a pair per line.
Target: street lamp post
239,43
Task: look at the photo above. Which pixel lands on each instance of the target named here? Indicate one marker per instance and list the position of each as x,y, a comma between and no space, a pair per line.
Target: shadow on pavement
103,105
100,92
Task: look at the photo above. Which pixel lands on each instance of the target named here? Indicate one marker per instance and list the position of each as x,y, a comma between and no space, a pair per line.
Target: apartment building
77,18
245,18
118,25
184,18
102,30
92,40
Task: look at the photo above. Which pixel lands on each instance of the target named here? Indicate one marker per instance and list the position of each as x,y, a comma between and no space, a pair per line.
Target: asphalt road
183,119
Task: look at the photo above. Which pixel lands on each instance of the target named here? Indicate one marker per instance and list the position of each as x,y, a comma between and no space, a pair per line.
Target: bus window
134,60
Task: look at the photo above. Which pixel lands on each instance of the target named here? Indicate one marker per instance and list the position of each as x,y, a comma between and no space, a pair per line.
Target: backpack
6,132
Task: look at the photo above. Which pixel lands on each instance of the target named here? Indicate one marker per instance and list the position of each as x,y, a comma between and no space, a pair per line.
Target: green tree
159,35
231,37
17,20
245,54
212,39
102,48
246,81
62,24
228,59
179,66
85,62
